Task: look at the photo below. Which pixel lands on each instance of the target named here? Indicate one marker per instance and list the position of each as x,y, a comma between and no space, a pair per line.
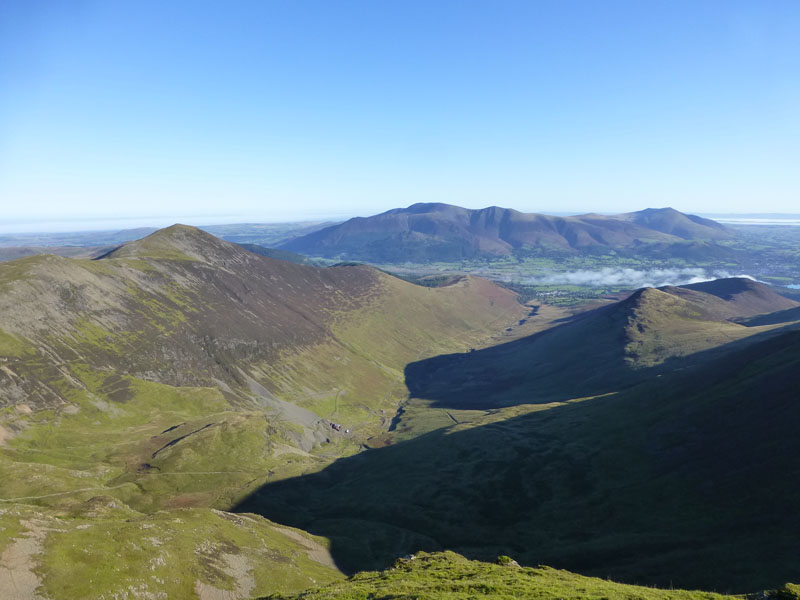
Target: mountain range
181,405
429,232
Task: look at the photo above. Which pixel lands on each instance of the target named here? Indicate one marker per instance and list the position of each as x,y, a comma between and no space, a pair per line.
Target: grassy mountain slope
686,480
435,232
188,340
181,371
102,549
603,350
742,297
447,575
180,376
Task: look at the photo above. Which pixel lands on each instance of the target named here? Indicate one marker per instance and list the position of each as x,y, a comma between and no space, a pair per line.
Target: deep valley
184,418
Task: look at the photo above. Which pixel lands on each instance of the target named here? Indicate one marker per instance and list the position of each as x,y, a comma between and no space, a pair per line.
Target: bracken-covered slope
181,371
434,232
687,480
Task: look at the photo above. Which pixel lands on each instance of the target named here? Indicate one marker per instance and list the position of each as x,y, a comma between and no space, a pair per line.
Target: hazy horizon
83,224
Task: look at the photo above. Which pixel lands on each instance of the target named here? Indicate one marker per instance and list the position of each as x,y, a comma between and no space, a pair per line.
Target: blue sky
152,112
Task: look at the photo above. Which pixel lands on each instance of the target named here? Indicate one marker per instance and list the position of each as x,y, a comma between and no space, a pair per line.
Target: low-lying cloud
630,278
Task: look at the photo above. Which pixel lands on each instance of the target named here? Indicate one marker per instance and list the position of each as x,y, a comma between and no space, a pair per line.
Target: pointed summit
181,242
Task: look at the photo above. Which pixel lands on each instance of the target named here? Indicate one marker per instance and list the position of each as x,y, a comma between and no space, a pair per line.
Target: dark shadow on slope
107,254
553,365
689,480
776,318
583,357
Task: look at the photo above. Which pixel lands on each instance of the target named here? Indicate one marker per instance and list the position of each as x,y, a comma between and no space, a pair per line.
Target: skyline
278,112
82,225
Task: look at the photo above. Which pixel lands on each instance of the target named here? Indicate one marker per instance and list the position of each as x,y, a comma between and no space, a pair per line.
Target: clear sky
205,112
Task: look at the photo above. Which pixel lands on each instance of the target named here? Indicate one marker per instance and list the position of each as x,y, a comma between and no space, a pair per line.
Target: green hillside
102,549
183,341
181,372
155,401
652,332
687,480
449,576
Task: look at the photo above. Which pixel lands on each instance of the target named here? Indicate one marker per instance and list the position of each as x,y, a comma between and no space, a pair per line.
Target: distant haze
65,224
749,219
